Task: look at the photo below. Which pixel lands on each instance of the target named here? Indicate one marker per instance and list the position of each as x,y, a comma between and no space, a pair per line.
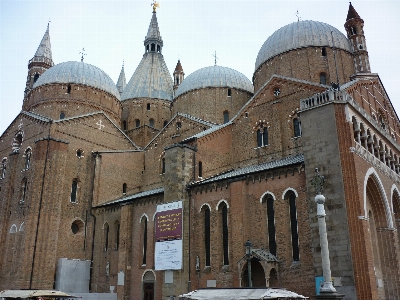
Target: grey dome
79,73
150,80
301,34
215,76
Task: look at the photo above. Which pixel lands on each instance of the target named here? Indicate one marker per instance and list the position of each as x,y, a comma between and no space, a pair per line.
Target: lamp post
249,250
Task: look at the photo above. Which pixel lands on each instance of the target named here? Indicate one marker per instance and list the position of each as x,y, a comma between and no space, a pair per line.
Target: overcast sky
113,31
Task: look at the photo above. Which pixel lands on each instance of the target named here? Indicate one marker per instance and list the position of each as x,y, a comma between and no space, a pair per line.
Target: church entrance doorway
257,275
148,286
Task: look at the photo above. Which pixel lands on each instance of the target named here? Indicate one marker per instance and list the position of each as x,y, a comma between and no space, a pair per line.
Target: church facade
87,164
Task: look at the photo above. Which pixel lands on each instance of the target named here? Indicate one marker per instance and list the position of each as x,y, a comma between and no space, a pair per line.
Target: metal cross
298,16
318,182
83,53
20,125
100,125
215,58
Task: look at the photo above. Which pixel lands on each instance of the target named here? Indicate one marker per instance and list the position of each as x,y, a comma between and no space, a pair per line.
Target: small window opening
3,168
200,169
322,78
77,227
147,48
117,227
124,188
137,123
246,114
124,125
151,122
353,30
226,117
16,145
106,233
262,137
229,92
153,47
163,165
207,235
79,153
69,89
158,48
165,123
148,106
360,47
178,125
225,234
35,78
296,127
177,80
23,190
74,190
28,154
323,51
62,115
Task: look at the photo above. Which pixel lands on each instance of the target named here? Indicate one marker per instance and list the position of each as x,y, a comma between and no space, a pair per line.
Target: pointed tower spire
153,41
41,61
355,33
121,83
178,75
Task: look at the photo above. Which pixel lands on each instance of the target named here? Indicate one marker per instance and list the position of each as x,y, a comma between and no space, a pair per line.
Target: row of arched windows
116,233
27,163
262,133
371,142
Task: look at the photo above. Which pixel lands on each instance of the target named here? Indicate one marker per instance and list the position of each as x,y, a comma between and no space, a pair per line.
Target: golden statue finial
155,4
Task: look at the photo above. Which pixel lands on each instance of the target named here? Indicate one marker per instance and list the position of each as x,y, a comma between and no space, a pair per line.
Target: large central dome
301,34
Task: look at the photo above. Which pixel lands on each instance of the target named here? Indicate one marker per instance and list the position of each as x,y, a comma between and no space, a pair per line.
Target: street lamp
249,250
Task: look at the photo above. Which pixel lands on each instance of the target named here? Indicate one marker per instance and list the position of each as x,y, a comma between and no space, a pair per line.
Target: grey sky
113,31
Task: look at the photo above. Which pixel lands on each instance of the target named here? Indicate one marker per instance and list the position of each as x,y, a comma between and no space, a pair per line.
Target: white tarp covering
24,294
248,294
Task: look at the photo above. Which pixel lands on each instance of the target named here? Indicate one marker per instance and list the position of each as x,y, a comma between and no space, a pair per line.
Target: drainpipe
40,207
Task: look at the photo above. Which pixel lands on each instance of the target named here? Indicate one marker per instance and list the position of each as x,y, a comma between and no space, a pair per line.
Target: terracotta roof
178,66
352,14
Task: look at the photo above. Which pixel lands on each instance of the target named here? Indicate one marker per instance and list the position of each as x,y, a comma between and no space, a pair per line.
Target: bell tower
41,61
355,33
178,75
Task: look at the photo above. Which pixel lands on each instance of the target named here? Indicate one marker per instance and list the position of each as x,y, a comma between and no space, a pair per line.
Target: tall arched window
207,234
124,186
3,167
225,241
23,190
28,154
36,77
163,165
116,230
271,225
296,127
262,137
16,145
200,169
74,190
144,236
106,233
293,227
226,116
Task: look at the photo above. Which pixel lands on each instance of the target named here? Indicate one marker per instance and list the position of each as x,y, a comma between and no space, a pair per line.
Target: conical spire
44,49
352,13
153,41
121,83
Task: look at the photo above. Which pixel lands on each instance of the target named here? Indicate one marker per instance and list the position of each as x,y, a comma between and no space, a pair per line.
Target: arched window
296,127
200,169
153,47
229,92
323,51
158,48
69,89
148,106
207,235
262,137
3,167
116,229
226,117
147,48
36,77
144,236
322,78
28,154
293,227
106,235
271,225
124,188
62,115
23,190
137,123
151,122
124,125
74,190
225,240
17,142
13,228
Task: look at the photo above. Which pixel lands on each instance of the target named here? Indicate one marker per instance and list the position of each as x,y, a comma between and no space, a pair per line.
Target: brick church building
87,162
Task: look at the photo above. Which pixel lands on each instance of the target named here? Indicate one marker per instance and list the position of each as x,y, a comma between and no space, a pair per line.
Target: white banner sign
168,255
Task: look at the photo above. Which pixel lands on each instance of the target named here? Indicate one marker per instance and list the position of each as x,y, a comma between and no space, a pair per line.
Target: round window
77,227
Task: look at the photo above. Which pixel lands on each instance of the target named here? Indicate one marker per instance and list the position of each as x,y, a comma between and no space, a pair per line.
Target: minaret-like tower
41,61
178,75
153,41
355,33
121,83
